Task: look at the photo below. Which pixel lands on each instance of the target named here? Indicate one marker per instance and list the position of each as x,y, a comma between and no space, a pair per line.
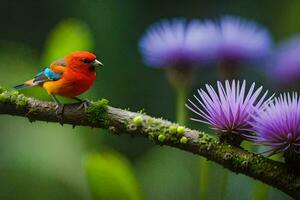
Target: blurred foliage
167,173
111,177
68,36
17,60
40,163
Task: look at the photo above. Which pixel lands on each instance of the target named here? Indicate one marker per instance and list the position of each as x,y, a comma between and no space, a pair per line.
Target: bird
68,77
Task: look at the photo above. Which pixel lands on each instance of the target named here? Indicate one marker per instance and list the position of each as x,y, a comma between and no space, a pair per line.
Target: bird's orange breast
71,83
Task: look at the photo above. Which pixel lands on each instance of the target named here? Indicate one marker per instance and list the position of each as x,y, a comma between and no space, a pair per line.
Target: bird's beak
97,63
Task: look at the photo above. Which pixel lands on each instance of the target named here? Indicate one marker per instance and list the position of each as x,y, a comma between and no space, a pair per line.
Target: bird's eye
86,61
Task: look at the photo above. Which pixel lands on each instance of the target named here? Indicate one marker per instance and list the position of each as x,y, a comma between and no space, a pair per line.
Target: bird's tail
27,84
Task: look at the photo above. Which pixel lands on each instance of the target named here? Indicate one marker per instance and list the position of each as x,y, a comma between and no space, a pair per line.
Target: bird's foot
59,111
84,104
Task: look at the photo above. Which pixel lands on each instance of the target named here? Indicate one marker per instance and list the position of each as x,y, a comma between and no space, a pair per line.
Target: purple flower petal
286,61
178,42
279,125
242,40
230,108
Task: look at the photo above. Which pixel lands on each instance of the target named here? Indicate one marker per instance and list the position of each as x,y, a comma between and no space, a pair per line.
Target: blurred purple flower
286,61
230,108
178,43
242,40
279,125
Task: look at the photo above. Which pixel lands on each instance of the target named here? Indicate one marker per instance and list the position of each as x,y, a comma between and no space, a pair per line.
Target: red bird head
82,61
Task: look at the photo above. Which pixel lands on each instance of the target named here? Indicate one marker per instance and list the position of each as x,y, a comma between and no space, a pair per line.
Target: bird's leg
84,103
59,107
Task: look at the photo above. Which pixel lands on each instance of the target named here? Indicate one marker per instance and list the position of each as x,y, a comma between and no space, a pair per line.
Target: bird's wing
46,75
58,66
51,73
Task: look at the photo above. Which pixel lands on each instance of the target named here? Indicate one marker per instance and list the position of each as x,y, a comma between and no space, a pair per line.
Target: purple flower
178,42
242,40
279,125
286,61
230,109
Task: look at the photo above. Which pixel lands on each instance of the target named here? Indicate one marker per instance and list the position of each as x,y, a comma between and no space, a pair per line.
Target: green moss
142,111
97,112
2,97
14,92
183,140
13,97
138,120
180,130
161,137
173,129
162,128
6,96
21,101
206,138
149,121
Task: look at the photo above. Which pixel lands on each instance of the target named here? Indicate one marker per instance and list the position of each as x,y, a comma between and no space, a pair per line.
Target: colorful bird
68,77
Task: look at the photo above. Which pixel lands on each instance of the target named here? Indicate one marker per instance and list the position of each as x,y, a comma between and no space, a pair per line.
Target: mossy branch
162,132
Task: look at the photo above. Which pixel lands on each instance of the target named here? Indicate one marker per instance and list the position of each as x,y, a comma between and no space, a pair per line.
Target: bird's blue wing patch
51,75
46,75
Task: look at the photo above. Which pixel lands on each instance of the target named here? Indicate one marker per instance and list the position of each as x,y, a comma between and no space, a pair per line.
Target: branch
162,132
